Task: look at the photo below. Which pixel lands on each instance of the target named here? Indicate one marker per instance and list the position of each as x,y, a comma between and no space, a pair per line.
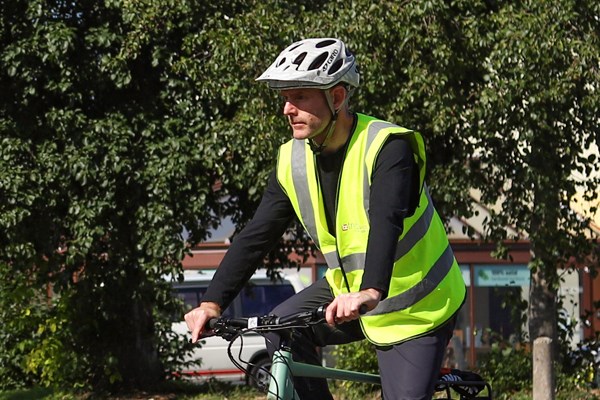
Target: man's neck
341,133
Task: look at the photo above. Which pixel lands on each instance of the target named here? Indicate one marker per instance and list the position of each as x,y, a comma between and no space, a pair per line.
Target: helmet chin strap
316,147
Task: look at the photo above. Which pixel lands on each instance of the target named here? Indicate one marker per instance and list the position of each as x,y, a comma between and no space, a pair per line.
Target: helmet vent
324,43
336,66
281,62
318,61
298,60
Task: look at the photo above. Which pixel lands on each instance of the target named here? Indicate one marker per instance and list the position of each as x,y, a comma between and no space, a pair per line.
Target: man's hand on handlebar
199,316
348,306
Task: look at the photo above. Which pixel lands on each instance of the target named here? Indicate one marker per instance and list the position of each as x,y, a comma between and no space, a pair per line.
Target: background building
496,288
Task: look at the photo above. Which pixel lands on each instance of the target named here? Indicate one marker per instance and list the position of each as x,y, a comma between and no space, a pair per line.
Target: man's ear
338,94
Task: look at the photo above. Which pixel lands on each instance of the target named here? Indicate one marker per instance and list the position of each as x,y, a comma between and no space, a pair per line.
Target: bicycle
284,368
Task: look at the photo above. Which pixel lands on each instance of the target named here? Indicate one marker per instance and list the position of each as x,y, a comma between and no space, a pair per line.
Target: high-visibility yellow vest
426,288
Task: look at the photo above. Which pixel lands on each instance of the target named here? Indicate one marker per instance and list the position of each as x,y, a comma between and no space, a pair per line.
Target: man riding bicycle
356,183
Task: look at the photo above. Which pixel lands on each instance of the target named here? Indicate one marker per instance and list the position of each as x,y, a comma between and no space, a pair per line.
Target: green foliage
356,356
580,366
508,365
35,343
117,122
507,369
20,311
98,180
51,357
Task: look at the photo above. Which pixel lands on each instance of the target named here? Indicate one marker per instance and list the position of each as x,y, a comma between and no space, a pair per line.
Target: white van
257,298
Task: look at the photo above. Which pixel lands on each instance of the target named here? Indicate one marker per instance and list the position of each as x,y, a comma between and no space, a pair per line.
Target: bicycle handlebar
228,326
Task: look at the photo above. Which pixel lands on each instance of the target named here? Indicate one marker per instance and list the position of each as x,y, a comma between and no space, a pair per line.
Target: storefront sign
501,275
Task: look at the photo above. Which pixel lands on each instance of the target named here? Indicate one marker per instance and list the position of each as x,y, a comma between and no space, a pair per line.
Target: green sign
501,275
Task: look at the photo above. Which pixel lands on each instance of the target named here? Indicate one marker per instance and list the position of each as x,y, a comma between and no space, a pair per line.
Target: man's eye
292,99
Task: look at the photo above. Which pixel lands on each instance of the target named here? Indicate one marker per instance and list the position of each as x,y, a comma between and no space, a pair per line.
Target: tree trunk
139,363
542,325
543,375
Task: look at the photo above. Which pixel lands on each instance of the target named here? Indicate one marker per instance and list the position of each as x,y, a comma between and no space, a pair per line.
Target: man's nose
288,108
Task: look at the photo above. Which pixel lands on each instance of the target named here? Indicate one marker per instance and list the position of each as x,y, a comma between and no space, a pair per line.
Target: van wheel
260,373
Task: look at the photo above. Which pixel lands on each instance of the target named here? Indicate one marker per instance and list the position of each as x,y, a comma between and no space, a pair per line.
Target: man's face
307,112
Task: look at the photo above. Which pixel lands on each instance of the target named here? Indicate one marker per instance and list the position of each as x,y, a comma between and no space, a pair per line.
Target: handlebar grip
232,322
211,323
320,312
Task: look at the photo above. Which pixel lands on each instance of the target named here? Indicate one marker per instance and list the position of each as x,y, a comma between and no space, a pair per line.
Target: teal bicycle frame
283,369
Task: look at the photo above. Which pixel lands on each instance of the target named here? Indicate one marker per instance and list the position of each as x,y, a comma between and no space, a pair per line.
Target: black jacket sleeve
394,196
250,246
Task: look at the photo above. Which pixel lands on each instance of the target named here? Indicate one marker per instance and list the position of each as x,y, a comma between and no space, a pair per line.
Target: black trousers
408,370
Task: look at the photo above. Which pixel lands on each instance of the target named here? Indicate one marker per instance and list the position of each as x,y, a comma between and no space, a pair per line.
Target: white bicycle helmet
313,63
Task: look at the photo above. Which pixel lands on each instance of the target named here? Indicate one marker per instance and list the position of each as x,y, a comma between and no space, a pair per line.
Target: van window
255,299
192,296
260,299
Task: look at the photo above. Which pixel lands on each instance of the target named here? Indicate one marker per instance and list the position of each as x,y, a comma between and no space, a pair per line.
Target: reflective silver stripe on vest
354,262
374,129
331,259
372,133
417,231
366,192
412,296
300,181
